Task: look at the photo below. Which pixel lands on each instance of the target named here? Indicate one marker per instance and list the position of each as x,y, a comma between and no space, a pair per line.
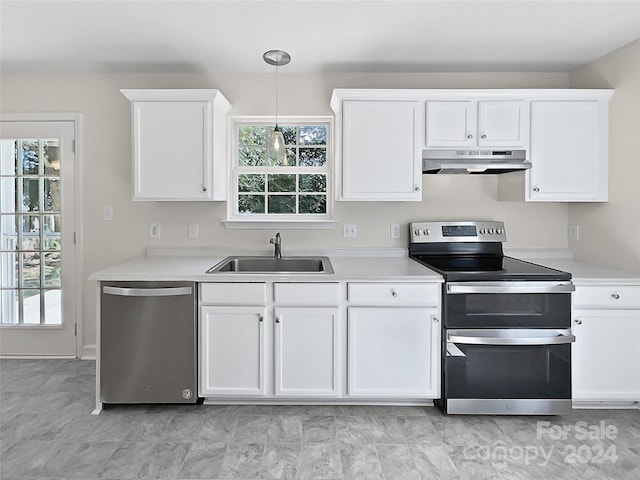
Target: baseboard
88,352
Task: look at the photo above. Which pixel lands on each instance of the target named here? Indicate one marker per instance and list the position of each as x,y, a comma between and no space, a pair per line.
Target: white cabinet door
232,349
381,159
605,355
179,144
501,123
475,123
306,344
568,151
393,352
450,123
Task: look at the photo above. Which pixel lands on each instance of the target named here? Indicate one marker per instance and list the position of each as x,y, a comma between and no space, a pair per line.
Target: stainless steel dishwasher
148,339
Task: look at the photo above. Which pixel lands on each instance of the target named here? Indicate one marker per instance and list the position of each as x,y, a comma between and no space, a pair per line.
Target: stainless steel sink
273,265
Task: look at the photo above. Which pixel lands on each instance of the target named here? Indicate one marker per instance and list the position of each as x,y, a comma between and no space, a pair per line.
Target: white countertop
192,266
178,263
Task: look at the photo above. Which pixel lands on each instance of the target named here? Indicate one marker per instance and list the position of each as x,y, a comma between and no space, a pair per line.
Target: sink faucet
277,242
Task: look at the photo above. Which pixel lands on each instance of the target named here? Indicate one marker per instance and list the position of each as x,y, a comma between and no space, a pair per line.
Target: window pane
51,157
251,156
30,223
9,307
9,270
9,232
52,307
316,204
313,157
282,183
313,135
29,195
313,182
52,224
30,241
30,269
251,182
52,243
52,269
30,159
252,135
8,189
282,204
289,134
31,305
52,198
251,204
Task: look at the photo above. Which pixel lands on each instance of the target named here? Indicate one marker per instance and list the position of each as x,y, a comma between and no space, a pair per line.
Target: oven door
508,304
512,371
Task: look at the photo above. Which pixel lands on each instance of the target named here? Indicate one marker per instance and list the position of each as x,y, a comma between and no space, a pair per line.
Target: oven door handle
510,287
510,337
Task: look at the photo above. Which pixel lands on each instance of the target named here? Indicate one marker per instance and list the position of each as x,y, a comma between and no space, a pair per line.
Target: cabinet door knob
578,321
615,296
536,189
469,136
261,318
277,320
204,189
435,320
484,135
394,293
417,189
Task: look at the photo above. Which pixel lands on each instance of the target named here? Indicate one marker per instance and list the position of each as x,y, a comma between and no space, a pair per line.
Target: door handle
147,292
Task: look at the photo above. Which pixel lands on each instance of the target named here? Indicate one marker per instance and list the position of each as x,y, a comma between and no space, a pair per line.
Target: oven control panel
428,232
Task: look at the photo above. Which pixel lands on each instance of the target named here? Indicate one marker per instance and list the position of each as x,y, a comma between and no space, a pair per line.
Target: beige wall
107,166
610,232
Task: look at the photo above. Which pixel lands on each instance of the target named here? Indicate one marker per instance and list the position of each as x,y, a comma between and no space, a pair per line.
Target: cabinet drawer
310,294
233,293
610,296
394,294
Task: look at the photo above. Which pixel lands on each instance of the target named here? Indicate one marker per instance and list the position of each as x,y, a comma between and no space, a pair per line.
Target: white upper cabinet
475,123
378,148
179,144
568,151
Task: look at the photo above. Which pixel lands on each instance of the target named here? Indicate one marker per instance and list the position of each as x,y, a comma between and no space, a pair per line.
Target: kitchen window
294,190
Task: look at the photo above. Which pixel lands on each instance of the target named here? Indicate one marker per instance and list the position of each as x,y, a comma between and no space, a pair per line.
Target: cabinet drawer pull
615,296
578,321
277,320
261,318
469,136
394,293
536,189
484,135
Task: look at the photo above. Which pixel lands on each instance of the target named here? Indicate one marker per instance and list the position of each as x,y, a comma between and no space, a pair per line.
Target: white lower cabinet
393,352
605,355
232,351
306,351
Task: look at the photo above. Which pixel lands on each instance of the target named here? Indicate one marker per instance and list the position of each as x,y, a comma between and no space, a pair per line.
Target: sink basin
273,265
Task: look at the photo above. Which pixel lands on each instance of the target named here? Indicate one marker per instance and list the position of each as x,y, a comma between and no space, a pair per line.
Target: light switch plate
574,232
107,213
349,231
394,230
193,230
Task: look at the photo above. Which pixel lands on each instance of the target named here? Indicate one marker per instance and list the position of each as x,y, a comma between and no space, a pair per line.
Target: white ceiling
321,35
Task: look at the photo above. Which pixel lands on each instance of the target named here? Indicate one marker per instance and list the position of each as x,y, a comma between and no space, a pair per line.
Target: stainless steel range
506,322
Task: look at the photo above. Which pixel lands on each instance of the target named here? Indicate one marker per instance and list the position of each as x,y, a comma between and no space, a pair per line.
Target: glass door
37,227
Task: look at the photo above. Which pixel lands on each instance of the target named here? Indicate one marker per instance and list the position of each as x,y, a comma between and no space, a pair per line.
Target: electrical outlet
574,232
193,230
350,231
107,213
394,230
154,230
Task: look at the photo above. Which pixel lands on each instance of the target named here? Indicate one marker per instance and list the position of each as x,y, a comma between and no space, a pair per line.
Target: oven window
514,372
508,310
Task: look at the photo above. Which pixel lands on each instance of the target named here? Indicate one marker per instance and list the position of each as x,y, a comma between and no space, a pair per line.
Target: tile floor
47,432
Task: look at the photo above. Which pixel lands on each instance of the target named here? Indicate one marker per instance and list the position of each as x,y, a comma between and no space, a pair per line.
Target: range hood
474,162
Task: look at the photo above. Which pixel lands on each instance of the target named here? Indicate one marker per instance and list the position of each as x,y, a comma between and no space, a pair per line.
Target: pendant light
275,141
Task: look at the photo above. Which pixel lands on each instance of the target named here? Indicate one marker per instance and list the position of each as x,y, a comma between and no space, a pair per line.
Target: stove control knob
427,231
499,231
491,231
482,231
416,232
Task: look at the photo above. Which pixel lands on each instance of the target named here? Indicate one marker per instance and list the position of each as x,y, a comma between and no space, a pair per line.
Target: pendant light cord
276,95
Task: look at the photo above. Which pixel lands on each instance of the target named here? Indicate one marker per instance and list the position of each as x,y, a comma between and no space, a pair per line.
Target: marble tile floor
47,432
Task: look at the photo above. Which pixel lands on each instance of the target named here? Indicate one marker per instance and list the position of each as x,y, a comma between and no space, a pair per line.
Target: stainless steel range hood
474,162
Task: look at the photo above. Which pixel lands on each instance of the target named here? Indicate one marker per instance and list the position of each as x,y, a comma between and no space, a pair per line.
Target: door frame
77,119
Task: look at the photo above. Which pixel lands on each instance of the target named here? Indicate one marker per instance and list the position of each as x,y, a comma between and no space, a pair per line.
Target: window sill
280,224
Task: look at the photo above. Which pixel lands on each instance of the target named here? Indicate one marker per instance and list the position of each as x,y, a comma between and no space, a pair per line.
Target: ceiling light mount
277,58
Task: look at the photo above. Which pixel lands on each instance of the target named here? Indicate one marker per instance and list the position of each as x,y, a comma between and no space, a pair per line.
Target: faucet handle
276,239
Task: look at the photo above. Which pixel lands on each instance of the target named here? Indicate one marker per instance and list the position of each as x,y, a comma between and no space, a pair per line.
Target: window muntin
268,189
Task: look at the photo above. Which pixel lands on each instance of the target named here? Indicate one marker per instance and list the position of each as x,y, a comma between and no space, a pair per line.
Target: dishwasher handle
147,292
